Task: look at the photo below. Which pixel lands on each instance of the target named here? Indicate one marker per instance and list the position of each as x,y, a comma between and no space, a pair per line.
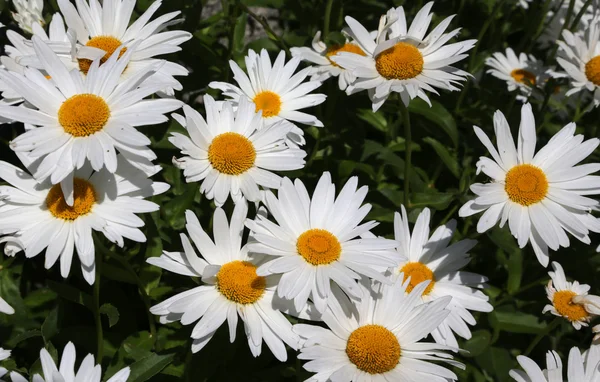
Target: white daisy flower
570,299
84,118
37,217
324,67
524,72
432,259
5,308
543,195
581,368
557,17
65,371
232,287
580,59
231,152
377,339
275,90
404,60
28,13
314,242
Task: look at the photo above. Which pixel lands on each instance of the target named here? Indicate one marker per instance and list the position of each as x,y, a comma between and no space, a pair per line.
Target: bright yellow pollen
373,349
238,282
108,44
84,199
48,77
268,102
318,247
562,303
400,62
526,184
418,273
592,70
347,47
523,76
231,153
83,114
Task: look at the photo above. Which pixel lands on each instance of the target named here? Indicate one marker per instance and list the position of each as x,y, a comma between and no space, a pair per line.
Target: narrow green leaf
437,200
148,367
515,271
437,114
239,32
375,119
445,155
516,322
50,325
72,294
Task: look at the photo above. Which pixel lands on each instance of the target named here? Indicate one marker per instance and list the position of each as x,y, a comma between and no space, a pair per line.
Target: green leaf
437,114
515,271
72,294
497,363
448,159
111,312
478,343
13,342
175,209
375,119
516,322
239,32
437,200
50,325
148,367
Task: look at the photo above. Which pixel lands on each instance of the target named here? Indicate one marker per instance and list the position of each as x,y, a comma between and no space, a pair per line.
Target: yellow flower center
523,76
238,282
566,308
84,200
108,44
592,70
400,62
83,114
347,47
373,349
231,153
318,247
268,102
526,184
418,272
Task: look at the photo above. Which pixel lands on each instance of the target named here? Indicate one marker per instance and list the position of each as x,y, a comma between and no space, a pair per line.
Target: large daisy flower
84,118
88,371
231,152
232,288
570,299
5,308
324,67
541,195
404,60
37,217
315,241
378,338
275,90
28,14
521,72
430,258
581,368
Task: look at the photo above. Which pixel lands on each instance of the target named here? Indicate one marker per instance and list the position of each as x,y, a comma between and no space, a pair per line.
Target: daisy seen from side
231,287
544,195
523,72
314,241
232,152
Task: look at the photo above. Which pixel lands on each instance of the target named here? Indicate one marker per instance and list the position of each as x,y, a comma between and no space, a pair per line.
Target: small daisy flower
581,368
232,288
403,60
28,13
324,67
542,195
65,372
570,299
5,308
84,118
523,72
37,217
432,259
275,90
232,152
316,241
378,339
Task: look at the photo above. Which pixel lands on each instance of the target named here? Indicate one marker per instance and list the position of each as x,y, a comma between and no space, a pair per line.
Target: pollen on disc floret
231,153
592,70
84,199
238,282
418,272
526,184
347,47
108,44
373,349
564,305
318,247
83,114
403,61
268,102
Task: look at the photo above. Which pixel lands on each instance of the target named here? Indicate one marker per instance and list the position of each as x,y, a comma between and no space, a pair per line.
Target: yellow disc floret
268,102
523,76
418,272
318,247
373,349
592,70
562,302
400,62
231,153
84,200
83,114
347,47
238,282
526,184
108,44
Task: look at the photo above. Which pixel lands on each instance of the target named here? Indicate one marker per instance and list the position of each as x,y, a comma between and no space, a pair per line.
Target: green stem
449,215
97,317
328,8
407,153
543,334
540,27
272,35
567,21
577,18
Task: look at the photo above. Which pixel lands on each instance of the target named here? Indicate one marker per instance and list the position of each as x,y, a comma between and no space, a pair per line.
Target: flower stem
328,8
272,35
407,153
543,334
97,317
